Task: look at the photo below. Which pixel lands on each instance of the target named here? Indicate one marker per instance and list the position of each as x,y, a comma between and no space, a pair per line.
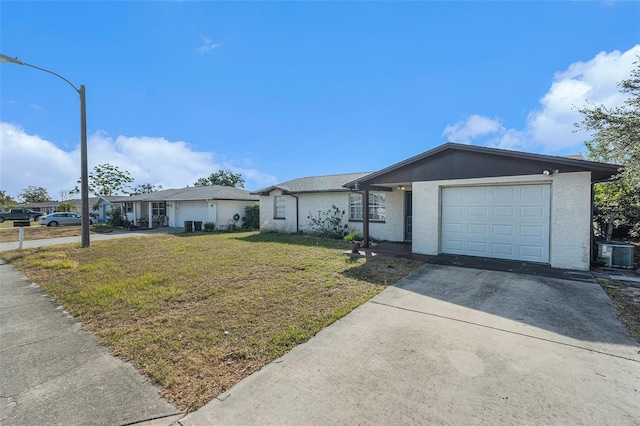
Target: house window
158,209
377,206
278,207
128,207
355,206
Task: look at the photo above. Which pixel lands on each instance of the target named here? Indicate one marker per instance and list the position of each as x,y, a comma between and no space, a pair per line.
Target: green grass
197,313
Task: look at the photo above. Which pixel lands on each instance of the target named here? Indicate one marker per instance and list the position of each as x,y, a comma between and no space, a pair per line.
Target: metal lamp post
84,173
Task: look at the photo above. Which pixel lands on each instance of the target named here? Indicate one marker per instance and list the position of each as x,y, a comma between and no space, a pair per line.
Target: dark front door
408,211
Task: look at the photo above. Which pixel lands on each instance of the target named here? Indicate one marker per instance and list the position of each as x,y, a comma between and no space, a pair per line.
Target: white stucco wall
571,221
225,209
310,203
570,215
268,223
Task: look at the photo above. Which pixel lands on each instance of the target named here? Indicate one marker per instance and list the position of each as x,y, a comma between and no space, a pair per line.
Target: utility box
616,254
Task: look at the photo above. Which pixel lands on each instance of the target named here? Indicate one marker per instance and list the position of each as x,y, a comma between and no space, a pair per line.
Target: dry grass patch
198,313
9,234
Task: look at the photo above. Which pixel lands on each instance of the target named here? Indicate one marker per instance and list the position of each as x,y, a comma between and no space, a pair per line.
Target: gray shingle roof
329,183
196,193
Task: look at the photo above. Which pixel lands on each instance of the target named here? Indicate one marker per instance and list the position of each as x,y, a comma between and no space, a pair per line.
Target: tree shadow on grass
304,240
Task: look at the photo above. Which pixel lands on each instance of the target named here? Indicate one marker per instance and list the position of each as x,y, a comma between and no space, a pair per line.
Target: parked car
19,214
61,219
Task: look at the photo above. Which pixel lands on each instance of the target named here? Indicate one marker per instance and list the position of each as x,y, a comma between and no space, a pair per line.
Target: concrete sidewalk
53,373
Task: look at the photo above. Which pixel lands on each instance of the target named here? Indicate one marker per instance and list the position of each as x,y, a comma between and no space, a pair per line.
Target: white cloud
473,127
550,128
207,45
31,160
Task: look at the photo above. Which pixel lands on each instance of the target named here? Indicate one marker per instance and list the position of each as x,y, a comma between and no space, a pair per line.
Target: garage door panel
503,193
500,250
508,222
532,252
477,247
478,194
532,231
528,212
533,192
478,211
477,229
503,230
504,211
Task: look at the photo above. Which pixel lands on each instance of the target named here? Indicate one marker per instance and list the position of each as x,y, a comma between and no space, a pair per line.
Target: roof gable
457,161
328,183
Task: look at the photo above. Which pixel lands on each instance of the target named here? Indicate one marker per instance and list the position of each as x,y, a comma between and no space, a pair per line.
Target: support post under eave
365,218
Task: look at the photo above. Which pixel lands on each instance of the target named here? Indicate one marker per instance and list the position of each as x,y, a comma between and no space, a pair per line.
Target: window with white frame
377,203
355,206
278,207
158,209
377,206
128,207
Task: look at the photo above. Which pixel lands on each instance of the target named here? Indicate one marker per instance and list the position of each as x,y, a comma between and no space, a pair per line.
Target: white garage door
191,210
506,222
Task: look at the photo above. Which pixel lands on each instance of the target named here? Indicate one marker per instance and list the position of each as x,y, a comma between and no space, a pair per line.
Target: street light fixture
84,173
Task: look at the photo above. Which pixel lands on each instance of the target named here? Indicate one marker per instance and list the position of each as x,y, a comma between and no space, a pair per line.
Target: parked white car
61,219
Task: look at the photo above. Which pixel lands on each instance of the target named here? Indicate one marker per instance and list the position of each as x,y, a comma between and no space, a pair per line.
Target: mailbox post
21,224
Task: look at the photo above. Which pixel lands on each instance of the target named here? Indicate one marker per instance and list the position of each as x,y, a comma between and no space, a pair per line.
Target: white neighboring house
459,199
222,205
286,207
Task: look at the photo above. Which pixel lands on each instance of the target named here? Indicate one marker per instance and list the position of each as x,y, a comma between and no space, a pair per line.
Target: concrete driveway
452,345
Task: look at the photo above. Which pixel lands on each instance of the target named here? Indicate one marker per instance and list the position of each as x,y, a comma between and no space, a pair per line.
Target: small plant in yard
209,227
352,236
328,224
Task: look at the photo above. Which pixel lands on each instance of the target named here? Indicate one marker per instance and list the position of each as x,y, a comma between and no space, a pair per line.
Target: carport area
453,345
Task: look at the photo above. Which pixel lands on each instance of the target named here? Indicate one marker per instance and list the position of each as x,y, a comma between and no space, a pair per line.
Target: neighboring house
98,206
461,199
286,207
45,207
217,204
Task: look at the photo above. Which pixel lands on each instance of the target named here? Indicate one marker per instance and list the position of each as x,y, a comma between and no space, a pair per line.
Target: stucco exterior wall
311,203
268,223
570,215
226,209
571,221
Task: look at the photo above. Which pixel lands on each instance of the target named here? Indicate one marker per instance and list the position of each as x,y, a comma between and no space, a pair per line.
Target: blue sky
277,90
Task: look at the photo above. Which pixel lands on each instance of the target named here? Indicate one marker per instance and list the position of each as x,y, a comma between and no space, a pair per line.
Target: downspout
297,207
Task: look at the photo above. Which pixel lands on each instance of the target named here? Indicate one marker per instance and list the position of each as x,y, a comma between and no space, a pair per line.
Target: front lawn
8,233
197,313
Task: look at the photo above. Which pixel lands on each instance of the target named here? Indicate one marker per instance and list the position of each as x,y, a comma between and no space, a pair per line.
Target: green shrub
251,219
328,224
116,218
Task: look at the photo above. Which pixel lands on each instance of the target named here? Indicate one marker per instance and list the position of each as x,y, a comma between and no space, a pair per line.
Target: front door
408,211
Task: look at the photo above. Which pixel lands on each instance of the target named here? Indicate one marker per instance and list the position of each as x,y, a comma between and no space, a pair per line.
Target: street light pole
84,173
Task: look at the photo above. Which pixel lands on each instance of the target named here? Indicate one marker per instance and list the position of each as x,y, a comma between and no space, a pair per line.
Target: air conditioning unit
616,254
